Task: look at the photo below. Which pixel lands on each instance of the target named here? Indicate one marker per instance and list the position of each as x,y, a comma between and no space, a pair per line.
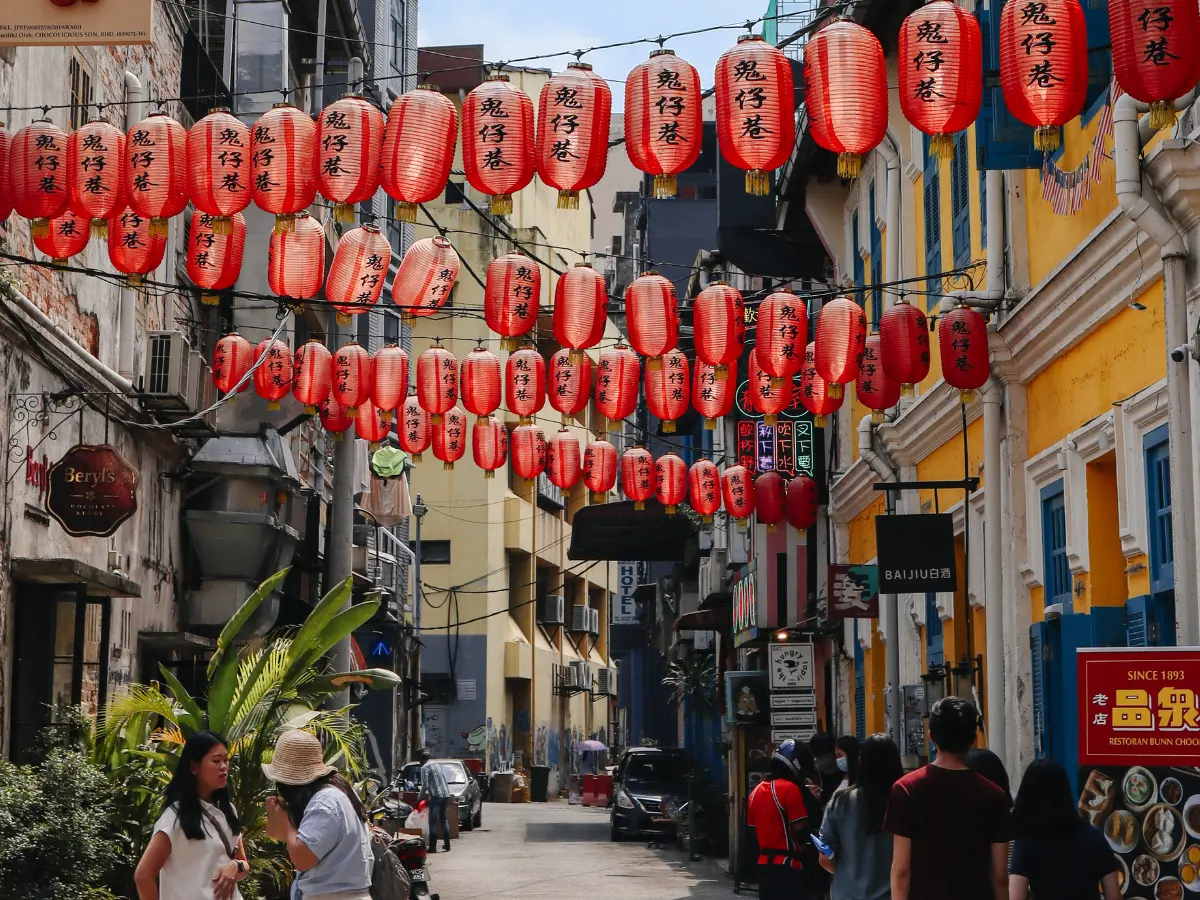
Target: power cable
508,610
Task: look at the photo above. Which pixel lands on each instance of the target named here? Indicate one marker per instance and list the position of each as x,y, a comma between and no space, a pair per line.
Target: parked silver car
463,787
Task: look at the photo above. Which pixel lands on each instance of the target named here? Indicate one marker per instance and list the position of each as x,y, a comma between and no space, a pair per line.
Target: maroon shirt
952,817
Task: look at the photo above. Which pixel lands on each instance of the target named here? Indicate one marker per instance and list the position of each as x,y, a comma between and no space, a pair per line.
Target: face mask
843,764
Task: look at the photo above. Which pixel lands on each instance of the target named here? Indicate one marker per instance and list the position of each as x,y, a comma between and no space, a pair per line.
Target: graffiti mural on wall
552,759
540,757
477,739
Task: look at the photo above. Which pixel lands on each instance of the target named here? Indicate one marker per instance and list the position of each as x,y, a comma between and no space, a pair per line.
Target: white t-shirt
189,870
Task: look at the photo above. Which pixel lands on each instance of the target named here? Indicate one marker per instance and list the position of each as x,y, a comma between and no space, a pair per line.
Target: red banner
1139,706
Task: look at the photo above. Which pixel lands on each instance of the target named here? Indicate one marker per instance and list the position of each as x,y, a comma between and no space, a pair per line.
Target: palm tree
693,686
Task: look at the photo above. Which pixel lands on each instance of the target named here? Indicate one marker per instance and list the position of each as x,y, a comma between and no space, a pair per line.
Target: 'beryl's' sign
91,491
915,554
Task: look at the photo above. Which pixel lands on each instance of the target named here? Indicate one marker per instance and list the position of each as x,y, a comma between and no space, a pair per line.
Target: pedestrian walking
1056,854
846,753
321,820
824,751
950,825
196,850
991,767
779,812
861,851
436,792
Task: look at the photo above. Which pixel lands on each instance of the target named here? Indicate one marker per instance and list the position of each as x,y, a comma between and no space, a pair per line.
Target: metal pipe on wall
135,95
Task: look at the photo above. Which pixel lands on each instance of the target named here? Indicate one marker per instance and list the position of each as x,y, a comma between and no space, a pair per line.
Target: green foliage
693,685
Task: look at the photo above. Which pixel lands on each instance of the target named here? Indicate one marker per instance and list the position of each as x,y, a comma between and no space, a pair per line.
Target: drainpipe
993,524
993,295
77,350
1139,201
889,149
134,96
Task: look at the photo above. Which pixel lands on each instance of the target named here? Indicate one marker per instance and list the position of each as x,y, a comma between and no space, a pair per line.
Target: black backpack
389,878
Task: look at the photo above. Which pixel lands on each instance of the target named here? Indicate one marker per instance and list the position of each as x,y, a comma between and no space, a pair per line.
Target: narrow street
533,850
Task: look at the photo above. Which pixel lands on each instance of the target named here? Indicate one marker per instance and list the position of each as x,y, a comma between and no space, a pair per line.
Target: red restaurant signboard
1138,706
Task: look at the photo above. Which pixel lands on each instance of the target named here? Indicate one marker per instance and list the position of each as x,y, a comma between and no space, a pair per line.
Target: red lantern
372,424
480,382
37,174
617,383
510,297
450,437
219,179
963,346
663,118
489,445
96,173
667,389
156,177
712,395
415,429
214,261
437,381
272,371
600,469
756,125
769,488
569,384
425,278
841,342
66,236
132,248
528,451
418,149
1152,47
704,489
351,377
312,374
562,460
718,318
781,335
6,200
498,141
637,476
800,504
580,308
283,144
815,395
1043,65
335,418
357,272
904,345
389,378
670,481
574,112
232,358
296,260
941,72
349,150
525,383
652,317
876,391
767,395
737,489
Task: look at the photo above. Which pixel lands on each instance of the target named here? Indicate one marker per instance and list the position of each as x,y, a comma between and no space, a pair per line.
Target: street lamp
935,686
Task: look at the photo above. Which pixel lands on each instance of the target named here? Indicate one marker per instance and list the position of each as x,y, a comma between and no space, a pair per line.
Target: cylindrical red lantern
815,395
574,111
219,176
37,174
904,345
372,424
941,72
296,260
357,272
781,335
156,177
670,481
563,460
652,317
569,384
876,391
312,374
450,437
479,379
498,141
841,341
272,371
489,445
528,451
283,145
769,489
1043,65
663,119
1153,46
637,476
418,149
617,383
349,149
415,428
437,381
756,125
214,261
704,489
425,277
389,378
510,298
718,320
66,236
335,418
600,469
667,389
800,504
737,490
351,376
525,383
767,395
963,346
132,247
712,395
6,200
96,173
232,358
580,308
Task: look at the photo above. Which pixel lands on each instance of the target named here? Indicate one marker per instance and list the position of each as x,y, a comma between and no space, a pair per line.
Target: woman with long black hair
196,851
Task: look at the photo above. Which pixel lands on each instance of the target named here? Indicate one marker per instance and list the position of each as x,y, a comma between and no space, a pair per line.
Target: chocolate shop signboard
91,490
55,23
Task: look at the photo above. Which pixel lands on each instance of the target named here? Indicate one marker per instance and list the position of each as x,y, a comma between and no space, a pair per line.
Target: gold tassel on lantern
568,199
598,498
489,474
343,319
908,390
342,212
710,424
1046,138
668,427
272,405
835,391
770,419
501,205
654,364
210,300
670,510
222,225
285,224
967,397
100,229
416,457
310,410
158,227
385,415
877,416
778,384
448,466
351,412
707,520
406,212
743,524
60,262
941,146
758,183
665,187
1162,114
134,280
721,370
820,421
575,356
639,505
850,165
41,228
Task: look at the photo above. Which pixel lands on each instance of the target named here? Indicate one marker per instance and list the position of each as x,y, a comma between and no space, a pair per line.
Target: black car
645,780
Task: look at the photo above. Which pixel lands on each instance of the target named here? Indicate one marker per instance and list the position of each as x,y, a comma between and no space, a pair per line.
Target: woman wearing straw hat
321,820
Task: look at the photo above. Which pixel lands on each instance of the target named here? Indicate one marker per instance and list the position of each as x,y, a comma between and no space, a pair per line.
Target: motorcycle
388,816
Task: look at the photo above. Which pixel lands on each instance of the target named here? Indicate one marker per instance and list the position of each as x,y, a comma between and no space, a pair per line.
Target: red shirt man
779,814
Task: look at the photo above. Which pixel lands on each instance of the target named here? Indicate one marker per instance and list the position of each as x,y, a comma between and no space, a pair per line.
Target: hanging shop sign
854,592
745,607
92,490
915,553
624,611
791,666
57,23
791,673
746,698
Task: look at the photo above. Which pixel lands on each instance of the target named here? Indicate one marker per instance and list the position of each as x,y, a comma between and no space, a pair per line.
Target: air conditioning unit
552,610
606,681
570,676
582,673
594,623
581,619
174,377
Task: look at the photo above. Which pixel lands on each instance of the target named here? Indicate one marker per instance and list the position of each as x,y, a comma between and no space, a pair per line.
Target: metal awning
616,531
706,620
98,582
717,600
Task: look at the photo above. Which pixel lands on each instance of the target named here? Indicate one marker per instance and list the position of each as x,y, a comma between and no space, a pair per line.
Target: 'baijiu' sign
915,553
92,490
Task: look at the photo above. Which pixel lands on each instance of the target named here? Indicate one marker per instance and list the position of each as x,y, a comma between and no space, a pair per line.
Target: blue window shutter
1137,622
860,689
1099,55
935,642
860,272
1057,572
1157,448
1004,141
960,201
1037,643
983,209
933,227
876,267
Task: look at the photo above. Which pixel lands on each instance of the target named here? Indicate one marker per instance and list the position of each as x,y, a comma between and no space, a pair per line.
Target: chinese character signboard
854,592
786,447
55,23
915,553
92,490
